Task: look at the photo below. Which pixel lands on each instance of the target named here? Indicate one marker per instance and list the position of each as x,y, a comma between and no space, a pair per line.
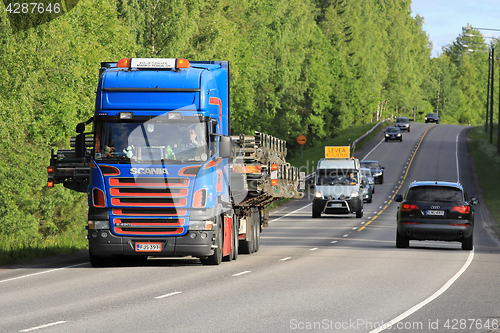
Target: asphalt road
331,274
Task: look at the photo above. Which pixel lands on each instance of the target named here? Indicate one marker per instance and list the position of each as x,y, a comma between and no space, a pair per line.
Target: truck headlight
98,224
201,225
318,195
355,194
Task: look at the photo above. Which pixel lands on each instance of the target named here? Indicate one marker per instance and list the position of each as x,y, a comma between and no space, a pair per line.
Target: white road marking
238,274
279,218
43,326
313,249
168,295
49,271
429,299
285,259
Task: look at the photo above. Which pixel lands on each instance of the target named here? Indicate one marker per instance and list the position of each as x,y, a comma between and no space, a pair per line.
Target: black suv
435,210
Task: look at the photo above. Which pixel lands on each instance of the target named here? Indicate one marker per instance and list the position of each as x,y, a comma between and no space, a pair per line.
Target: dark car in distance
376,169
403,123
435,210
432,118
393,134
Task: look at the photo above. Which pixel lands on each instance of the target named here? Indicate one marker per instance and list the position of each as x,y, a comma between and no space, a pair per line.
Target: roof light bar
153,63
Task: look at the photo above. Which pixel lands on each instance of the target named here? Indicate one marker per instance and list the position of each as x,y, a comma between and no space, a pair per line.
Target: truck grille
142,205
148,226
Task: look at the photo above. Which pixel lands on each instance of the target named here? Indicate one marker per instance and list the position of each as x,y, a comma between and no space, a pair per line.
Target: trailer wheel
216,258
247,246
257,236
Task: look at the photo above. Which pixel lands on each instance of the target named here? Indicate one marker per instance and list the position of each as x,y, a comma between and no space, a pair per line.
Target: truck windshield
154,141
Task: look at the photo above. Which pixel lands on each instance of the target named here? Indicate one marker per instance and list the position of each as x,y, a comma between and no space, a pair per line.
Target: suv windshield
157,140
337,177
435,194
402,120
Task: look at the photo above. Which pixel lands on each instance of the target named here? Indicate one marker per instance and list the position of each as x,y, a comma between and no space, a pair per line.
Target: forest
298,67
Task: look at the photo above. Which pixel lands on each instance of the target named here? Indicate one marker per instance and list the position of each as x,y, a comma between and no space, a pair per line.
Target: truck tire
216,258
98,261
359,214
247,246
256,243
235,237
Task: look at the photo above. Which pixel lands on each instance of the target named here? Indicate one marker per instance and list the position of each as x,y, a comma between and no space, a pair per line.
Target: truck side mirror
80,128
80,140
225,146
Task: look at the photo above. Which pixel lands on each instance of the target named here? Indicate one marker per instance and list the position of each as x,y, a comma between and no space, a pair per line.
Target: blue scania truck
163,174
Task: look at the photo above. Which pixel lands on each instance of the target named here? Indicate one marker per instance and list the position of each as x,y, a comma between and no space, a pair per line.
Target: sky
444,19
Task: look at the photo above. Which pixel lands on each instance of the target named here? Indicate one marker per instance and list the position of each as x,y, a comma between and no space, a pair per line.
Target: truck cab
338,187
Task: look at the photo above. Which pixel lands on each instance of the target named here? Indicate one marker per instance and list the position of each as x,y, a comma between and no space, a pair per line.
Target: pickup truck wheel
216,258
359,214
316,213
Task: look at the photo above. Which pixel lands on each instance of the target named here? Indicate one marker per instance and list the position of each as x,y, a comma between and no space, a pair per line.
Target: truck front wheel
98,261
216,258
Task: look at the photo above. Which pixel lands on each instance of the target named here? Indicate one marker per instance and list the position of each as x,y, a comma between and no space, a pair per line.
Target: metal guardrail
309,178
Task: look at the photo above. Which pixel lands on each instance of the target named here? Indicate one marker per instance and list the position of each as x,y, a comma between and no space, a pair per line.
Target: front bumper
194,243
338,206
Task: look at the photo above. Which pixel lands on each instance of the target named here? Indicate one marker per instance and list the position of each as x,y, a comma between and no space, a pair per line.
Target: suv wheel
467,243
401,242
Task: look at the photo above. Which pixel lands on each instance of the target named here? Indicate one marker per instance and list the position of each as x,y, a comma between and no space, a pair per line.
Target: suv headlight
318,195
355,194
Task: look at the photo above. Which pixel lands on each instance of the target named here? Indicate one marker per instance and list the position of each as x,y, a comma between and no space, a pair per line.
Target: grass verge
486,162
13,249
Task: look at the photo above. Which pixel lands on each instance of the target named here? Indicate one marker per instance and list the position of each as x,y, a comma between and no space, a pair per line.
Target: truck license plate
336,205
147,247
